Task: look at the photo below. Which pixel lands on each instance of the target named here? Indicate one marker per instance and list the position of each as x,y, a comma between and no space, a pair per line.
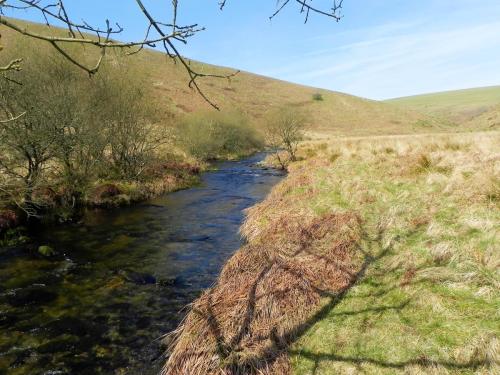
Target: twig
12,119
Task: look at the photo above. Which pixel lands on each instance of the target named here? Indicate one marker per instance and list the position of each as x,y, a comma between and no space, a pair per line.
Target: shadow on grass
372,250
422,361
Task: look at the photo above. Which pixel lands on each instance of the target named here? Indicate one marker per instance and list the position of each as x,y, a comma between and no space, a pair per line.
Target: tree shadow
371,250
421,361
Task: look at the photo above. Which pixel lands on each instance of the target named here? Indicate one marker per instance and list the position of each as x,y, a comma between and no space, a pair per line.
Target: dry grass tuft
484,348
264,295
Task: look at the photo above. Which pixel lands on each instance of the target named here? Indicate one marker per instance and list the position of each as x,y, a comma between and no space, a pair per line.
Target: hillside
337,113
476,108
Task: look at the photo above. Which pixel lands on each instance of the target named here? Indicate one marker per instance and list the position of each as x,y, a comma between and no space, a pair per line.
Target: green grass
428,302
457,106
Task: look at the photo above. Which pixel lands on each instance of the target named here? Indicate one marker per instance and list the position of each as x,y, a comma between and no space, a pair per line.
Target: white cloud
402,59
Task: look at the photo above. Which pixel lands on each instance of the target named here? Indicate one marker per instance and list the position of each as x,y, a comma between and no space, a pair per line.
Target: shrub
74,130
318,97
214,135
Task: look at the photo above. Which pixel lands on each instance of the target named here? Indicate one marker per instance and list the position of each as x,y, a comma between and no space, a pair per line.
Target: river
122,278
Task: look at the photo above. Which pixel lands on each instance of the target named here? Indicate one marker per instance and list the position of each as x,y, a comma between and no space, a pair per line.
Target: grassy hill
475,108
337,113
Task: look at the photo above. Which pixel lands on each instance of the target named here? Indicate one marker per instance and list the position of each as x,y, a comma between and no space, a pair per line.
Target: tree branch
12,118
55,12
12,65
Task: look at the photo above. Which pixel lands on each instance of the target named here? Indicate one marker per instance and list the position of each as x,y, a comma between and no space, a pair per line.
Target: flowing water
122,277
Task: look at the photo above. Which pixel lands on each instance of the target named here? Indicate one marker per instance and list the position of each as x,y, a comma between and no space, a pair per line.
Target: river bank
372,255
55,208
122,277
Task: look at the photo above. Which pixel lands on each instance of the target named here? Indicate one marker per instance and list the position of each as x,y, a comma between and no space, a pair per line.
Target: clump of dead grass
264,295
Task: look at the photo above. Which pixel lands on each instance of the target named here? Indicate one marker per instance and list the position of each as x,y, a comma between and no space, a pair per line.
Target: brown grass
264,295
252,94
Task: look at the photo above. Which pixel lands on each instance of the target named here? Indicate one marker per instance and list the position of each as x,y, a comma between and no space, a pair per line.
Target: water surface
123,277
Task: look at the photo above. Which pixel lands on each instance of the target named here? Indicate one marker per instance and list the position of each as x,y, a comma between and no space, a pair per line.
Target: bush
74,131
317,97
215,135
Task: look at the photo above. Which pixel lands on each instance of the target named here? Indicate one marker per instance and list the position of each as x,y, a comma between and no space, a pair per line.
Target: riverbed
122,278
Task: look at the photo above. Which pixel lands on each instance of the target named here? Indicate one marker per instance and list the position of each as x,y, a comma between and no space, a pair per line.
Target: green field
428,302
460,106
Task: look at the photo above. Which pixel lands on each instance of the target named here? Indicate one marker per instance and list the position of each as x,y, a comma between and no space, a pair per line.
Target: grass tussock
264,295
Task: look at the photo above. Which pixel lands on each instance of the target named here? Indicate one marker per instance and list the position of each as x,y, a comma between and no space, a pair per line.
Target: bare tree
169,35
284,130
26,141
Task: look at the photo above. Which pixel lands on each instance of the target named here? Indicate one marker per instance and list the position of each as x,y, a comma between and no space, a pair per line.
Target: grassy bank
475,108
429,301
374,255
70,142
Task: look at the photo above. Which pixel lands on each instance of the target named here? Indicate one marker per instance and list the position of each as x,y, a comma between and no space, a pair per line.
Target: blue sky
380,49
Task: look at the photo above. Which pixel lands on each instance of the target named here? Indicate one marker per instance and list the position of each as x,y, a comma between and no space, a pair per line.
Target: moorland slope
471,109
252,94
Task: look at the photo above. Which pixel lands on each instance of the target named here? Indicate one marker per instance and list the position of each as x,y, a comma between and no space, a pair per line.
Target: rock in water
137,277
33,295
46,251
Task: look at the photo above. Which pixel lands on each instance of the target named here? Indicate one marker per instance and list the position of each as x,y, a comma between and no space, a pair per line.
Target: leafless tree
168,35
284,131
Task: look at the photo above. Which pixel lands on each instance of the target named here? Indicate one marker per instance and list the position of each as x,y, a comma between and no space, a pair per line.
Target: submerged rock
33,295
68,325
167,282
79,327
8,319
46,251
137,277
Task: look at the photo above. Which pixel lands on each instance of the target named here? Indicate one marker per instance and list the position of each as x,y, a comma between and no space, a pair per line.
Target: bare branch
12,119
54,12
12,65
306,7
192,73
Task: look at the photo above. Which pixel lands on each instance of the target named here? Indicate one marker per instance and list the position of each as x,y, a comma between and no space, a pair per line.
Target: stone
46,251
